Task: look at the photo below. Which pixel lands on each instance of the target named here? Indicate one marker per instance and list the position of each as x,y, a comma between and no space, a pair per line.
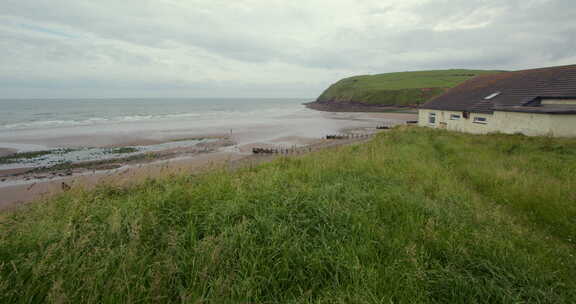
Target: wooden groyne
384,126
348,136
282,150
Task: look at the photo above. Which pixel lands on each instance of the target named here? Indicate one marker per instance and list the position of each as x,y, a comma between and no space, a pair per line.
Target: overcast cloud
264,48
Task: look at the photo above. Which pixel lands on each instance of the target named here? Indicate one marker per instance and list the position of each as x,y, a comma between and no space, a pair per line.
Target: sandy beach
7,151
231,149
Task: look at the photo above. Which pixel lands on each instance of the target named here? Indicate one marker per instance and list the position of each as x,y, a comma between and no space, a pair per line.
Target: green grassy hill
401,89
414,216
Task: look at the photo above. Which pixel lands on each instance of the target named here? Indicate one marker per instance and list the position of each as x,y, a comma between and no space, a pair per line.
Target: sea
39,124
42,133
76,130
39,114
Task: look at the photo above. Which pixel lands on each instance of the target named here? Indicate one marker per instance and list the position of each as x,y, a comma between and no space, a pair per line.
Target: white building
531,102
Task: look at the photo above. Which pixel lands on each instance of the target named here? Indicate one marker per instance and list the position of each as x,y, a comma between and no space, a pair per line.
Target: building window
432,118
480,120
466,115
454,116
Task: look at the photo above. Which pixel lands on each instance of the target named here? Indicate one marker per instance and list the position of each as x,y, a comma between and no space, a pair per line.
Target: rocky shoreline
357,107
82,167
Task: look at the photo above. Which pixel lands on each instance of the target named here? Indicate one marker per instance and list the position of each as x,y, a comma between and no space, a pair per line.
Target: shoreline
35,191
20,188
130,156
7,151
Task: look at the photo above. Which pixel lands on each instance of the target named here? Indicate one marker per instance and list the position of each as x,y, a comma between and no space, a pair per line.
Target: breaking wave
135,118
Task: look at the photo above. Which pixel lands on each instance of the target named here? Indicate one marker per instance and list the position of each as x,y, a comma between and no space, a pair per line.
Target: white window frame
432,118
480,120
455,116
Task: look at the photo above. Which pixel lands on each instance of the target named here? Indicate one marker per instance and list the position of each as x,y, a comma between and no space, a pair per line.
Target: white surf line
23,147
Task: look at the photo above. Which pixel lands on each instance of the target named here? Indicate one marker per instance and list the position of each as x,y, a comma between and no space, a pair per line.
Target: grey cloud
532,38
267,46
134,22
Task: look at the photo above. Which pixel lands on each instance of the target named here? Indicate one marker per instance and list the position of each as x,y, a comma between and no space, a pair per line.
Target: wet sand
7,151
237,154
304,123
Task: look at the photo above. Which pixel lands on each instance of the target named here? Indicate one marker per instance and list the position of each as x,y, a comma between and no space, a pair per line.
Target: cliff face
394,89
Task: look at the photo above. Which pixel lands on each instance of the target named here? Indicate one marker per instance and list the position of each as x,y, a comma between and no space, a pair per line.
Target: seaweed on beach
191,138
16,157
97,164
123,150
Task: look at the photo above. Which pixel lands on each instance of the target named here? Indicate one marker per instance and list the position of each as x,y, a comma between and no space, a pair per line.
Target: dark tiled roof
517,89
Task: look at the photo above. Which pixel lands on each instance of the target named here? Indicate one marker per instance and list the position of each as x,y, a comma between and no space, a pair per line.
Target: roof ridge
517,88
547,68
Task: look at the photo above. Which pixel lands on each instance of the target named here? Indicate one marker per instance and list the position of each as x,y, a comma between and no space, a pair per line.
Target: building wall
563,125
443,121
530,124
559,101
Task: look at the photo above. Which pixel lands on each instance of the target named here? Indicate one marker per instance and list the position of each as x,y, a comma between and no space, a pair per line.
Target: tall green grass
414,216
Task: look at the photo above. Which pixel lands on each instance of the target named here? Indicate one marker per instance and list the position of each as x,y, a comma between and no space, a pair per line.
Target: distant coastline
390,92
357,107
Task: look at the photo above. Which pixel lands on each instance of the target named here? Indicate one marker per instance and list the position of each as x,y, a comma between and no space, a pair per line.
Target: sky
264,48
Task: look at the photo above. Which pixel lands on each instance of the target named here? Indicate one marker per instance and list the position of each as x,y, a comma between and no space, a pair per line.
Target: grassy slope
403,88
415,216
